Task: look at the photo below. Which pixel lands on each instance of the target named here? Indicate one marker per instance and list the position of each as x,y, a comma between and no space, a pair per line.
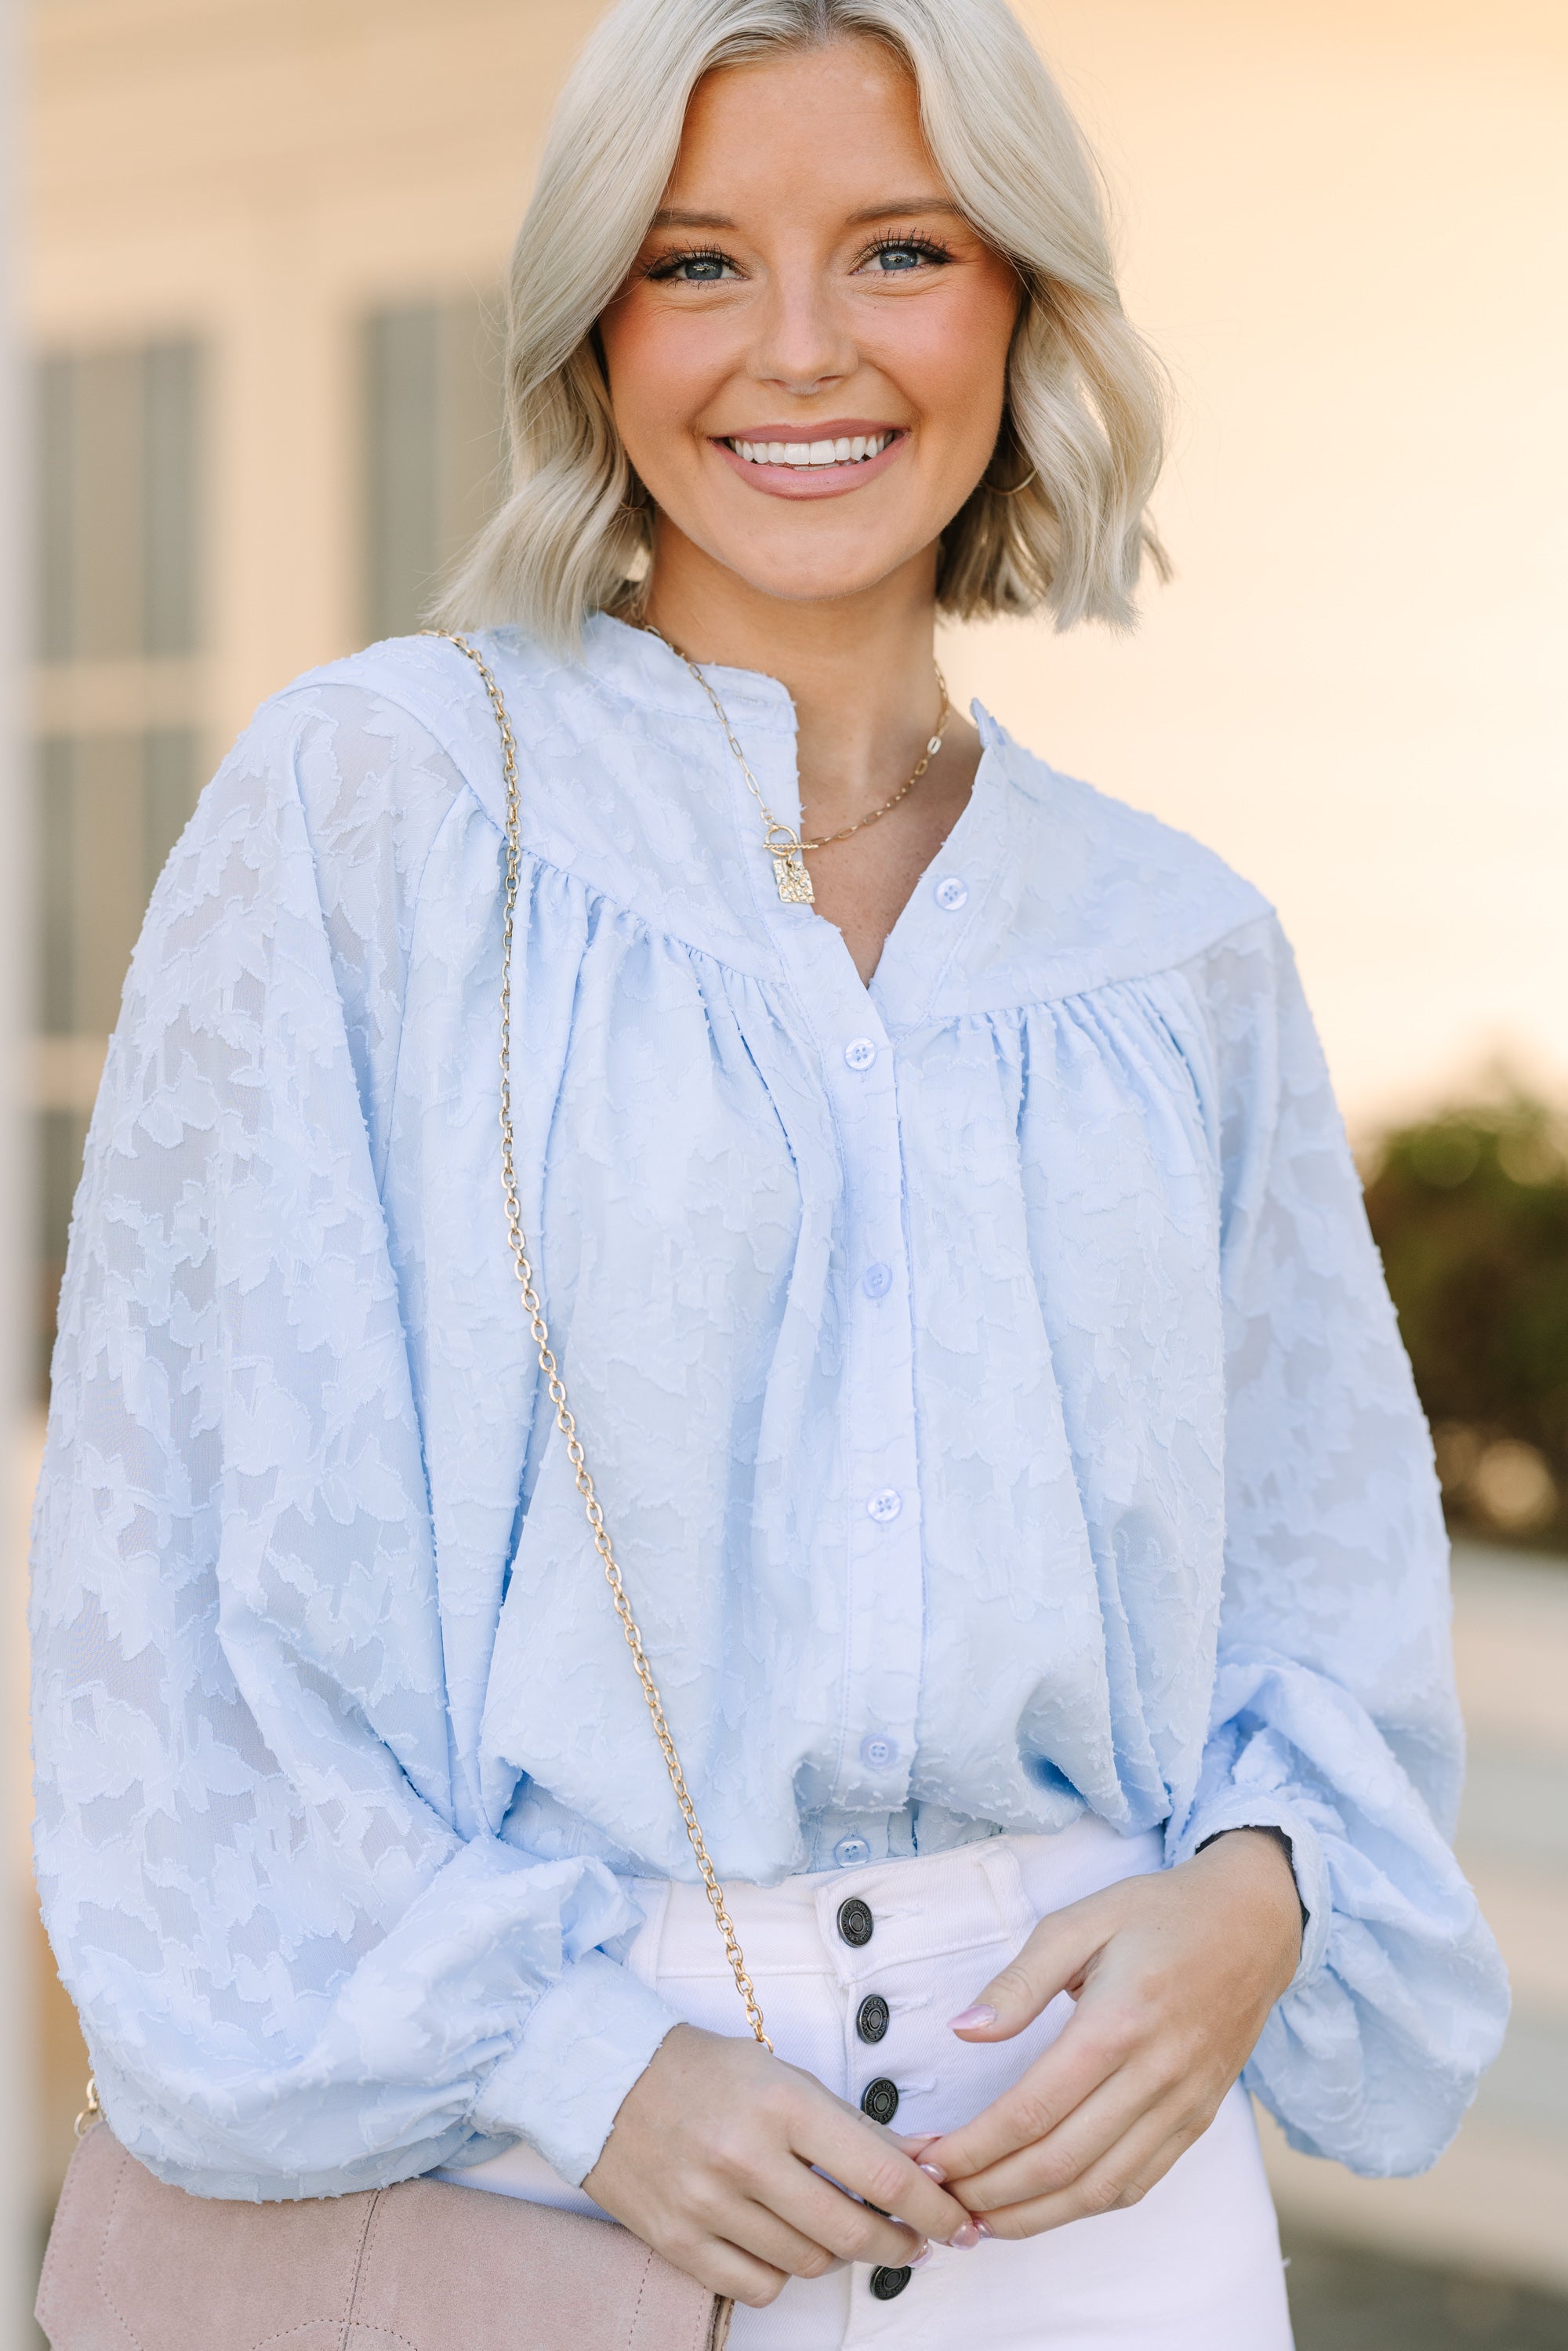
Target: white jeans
1195,2267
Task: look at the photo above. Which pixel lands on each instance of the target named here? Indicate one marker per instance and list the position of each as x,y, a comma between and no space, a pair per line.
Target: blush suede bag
134,2264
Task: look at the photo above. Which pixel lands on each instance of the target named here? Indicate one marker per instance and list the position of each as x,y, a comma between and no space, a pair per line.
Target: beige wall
1345,225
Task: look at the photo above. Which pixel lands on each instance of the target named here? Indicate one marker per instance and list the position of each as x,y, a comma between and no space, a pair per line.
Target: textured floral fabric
988,1377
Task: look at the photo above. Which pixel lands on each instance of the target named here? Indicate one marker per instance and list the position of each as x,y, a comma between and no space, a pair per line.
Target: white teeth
841,452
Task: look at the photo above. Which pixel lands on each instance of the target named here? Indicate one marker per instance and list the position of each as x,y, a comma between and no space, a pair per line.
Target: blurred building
266,242
130,446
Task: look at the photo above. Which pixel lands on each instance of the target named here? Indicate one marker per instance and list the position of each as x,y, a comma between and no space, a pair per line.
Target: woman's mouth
841,454
845,449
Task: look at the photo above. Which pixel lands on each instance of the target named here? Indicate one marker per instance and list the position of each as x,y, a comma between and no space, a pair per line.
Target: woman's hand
710,2162
1174,1976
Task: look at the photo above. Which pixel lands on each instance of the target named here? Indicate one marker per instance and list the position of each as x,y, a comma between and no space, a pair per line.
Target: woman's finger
768,2236
1121,2177
727,2269
1048,2165
850,2231
1054,1957
1090,2134
870,2163
1093,2046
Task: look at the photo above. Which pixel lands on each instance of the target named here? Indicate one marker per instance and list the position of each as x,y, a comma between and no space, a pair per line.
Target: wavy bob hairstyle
1080,441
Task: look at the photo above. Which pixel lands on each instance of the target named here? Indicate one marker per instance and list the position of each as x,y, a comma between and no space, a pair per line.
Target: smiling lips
845,448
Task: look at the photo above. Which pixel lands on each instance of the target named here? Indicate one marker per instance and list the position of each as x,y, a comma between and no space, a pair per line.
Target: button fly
873,2017
856,1924
879,2099
861,1052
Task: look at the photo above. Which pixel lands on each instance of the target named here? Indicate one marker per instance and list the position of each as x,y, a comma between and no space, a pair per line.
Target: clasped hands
718,2151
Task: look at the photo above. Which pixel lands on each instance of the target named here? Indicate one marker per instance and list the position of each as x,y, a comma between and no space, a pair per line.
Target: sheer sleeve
1334,1718
296,1975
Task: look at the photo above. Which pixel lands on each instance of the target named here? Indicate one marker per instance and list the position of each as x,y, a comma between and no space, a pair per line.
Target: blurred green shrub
1470,1211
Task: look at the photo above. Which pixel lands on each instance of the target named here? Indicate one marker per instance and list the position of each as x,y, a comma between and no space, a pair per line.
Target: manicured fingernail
933,2171
968,2018
916,2259
986,2230
969,2237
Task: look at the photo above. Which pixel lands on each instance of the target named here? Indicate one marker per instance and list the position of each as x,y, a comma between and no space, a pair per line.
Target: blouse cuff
586,2042
1271,1809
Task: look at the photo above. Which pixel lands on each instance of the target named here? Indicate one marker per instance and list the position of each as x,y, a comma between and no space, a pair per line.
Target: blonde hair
1083,406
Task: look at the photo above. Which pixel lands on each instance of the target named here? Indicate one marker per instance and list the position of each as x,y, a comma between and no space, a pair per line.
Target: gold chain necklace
782,842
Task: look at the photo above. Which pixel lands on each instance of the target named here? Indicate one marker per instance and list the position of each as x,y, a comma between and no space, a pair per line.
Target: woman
960,1282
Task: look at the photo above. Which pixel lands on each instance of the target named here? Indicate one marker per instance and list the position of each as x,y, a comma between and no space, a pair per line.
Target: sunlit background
263,243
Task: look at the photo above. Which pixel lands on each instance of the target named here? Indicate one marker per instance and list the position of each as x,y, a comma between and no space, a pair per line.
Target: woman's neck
861,668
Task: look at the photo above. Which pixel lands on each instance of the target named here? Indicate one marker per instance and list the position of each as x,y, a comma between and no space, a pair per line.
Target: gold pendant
794,882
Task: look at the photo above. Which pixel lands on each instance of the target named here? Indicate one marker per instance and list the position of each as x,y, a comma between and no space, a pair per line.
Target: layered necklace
782,842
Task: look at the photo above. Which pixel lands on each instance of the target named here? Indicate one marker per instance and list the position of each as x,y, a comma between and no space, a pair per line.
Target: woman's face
807,361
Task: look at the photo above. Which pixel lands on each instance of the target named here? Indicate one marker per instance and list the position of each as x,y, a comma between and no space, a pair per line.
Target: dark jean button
871,2022
855,1921
879,2099
888,2285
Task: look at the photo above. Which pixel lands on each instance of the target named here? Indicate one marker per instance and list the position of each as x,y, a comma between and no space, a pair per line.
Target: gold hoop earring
1018,487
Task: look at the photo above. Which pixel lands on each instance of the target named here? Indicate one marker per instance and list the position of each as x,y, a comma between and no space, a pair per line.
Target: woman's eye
898,259
692,269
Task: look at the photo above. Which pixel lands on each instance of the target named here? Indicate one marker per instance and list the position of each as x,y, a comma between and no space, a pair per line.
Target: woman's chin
808,575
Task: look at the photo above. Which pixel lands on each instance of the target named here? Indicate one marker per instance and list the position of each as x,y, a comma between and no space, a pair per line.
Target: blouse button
878,1750
879,2099
951,894
856,1924
873,2017
877,1280
851,1852
885,1505
860,1052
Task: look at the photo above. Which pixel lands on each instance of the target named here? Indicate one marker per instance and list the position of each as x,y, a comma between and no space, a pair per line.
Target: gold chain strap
556,1386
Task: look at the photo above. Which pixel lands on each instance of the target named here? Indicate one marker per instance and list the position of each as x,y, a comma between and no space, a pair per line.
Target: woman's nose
802,342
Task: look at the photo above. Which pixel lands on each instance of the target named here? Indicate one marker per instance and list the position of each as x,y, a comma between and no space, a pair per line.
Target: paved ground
1347,2299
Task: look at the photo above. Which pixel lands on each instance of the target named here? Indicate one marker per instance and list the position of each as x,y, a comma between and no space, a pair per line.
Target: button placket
885,1577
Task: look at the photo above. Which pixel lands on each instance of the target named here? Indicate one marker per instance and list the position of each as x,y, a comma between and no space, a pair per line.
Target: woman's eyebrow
678,216
903,207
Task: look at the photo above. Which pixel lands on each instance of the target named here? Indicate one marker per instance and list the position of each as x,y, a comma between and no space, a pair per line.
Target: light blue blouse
988,1377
